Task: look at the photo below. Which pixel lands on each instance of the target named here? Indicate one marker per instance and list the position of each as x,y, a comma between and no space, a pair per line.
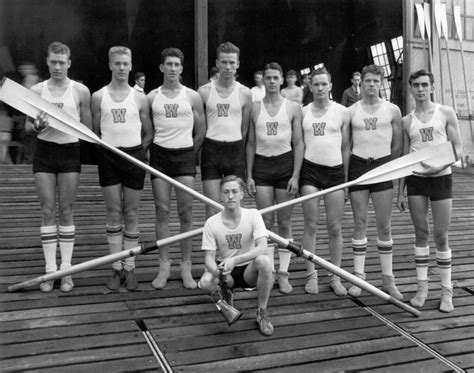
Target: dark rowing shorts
238,276
273,171
320,176
54,158
173,162
359,166
113,169
436,188
219,159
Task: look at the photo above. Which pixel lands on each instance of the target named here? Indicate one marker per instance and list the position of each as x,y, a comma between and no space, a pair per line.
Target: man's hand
429,170
401,204
41,122
251,187
292,187
227,266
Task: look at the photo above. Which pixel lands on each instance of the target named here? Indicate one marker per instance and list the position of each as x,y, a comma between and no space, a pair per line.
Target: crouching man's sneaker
264,325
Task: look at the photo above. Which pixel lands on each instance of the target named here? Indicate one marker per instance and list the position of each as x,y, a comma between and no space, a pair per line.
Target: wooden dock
93,329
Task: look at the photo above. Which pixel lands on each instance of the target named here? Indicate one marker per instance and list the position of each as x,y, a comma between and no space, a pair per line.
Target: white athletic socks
49,241
130,240
66,244
386,255
359,249
443,258
115,240
421,262
285,256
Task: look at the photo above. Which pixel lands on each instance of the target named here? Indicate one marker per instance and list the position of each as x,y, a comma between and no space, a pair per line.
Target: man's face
371,84
272,80
140,82
258,79
58,65
231,195
291,80
305,80
421,88
171,68
120,65
355,81
227,63
320,86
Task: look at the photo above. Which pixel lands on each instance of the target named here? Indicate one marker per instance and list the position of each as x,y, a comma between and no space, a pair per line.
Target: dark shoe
113,283
130,280
264,325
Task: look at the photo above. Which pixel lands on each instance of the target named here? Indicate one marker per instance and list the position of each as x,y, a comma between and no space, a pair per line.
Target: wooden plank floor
94,329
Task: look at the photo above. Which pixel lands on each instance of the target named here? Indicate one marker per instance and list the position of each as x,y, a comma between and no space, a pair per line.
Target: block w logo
59,104
234,241
426,134
318,128
223,110
272,128
119,115
171,110
370,123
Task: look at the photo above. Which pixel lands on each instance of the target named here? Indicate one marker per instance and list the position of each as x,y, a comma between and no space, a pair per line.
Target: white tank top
224,115
67,104
173,120
120,123
371,133
423,135
273,134
322,137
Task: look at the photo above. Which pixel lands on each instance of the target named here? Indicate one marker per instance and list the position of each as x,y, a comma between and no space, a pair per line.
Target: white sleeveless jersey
67,104
173,120
224,115
371,133
120,123
322,137
273,134
423,135
229,242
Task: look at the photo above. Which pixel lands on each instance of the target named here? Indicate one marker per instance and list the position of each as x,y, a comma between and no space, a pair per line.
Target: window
380,57
397,47
306,70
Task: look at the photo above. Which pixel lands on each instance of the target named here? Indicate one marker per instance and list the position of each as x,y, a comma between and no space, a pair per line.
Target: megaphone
222,297
231,314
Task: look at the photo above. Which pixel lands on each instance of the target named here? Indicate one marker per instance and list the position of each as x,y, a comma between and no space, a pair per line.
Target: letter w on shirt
318,128
272,128
223,110
426,134
370,123
171,110
119,115
59,104
234,241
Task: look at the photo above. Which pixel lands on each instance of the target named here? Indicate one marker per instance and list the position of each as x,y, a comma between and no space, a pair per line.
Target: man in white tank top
427,125
377,138
326,163
228,105
121,118
56,163
179,122
274,156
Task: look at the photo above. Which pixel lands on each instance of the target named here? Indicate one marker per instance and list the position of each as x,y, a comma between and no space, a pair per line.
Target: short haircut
272,66
227,47
172,52
230,178
291,73
139,75
372,69
320,71
59,48
119,50
418,73
258,72
214,70
354,74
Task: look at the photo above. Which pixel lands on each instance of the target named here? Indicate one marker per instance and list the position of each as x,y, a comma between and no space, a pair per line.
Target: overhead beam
200,42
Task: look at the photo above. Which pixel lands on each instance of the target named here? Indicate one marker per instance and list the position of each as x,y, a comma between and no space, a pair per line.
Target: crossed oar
31,104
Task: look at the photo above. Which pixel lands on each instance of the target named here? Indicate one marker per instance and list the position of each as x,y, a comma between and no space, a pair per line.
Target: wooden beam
200,42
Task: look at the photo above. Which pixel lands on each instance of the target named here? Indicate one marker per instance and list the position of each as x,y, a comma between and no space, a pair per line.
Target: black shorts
219,159
173,162
56,158
113,169
320,176
238,276
359,166
273,171
436,188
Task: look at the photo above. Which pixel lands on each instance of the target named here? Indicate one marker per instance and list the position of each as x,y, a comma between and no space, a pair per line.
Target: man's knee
263,263
185,214
207,281
162,213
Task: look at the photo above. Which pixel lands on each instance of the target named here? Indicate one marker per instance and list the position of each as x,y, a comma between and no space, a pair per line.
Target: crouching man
235,242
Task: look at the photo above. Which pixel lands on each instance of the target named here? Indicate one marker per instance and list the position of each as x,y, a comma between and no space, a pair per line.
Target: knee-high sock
359,249
443,259
49,241
284,256
66,244
130,240
421,262
386,256
115,239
